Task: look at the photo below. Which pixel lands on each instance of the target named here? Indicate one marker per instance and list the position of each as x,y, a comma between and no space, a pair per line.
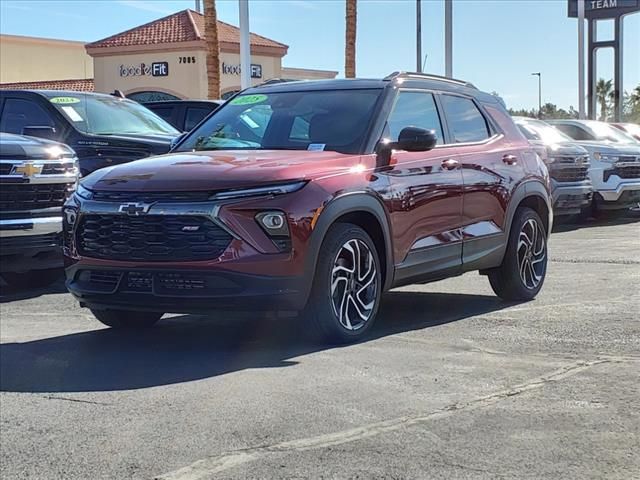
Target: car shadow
188,347
12,294
566,225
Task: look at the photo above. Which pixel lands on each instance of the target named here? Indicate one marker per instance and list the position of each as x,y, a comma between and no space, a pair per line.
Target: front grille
150,197
159,238
32,196
632,171
628,158
58,168
570,174
5,168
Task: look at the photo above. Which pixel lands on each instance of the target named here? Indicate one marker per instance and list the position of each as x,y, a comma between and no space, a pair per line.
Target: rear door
491,169
426,207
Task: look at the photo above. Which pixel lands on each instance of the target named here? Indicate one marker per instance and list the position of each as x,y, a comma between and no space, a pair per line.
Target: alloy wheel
531,252
354,284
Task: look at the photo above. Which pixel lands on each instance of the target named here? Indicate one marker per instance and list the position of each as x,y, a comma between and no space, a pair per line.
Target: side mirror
41,132
411,139
177,140
414,139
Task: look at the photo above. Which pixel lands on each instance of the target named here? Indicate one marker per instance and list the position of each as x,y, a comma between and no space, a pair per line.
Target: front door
426,210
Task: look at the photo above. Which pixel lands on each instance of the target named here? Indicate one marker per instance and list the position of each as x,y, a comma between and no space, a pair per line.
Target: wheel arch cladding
365,211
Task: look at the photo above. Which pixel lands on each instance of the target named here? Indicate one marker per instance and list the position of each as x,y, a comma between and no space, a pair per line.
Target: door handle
450,164
510,159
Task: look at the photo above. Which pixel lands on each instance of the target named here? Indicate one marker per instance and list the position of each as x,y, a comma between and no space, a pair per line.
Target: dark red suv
315,197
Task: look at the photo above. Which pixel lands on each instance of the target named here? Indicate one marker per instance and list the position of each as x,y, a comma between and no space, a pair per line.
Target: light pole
418,37
539,75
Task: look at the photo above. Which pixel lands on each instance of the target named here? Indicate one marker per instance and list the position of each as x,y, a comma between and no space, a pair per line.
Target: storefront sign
156,69
604,8
256,70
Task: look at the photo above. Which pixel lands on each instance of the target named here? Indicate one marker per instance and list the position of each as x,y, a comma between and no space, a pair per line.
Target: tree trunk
350,40
213,49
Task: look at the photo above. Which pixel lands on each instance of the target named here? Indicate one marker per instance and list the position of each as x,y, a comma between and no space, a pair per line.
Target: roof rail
429,76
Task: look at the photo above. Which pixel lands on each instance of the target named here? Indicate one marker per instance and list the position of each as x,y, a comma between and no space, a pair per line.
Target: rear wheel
347,286
524,267
126,319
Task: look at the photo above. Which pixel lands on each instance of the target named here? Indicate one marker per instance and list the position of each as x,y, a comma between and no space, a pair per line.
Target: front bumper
625,196
571,198
24,227
175,290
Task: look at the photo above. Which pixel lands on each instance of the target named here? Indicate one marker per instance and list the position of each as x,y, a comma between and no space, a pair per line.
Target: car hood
219,170
612,148
562,148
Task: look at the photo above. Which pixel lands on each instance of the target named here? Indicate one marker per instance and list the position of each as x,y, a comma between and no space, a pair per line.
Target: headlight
258,191
606,157
84,192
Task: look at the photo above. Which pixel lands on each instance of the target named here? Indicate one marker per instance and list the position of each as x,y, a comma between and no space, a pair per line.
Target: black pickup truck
103,129
36,177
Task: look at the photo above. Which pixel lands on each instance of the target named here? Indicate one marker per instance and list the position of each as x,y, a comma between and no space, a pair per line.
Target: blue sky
497,43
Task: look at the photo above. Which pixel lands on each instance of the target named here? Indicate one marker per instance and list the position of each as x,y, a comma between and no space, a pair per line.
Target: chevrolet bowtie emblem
28,169
134,209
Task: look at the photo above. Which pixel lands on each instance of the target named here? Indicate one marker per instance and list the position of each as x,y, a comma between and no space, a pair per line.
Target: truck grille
155,238
570,174
33,196
631,171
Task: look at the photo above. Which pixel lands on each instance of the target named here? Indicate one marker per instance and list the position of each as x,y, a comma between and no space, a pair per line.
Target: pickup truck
103,130
36,178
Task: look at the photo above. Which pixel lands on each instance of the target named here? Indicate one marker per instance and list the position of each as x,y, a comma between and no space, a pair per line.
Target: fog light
275,223
275,226
70,215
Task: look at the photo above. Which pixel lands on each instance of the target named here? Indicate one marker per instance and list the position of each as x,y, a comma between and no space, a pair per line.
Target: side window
464,119
414,109
164,113
18,113
193,116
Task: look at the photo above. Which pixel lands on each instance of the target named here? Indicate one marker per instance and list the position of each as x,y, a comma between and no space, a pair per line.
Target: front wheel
126,319
524,267
347,286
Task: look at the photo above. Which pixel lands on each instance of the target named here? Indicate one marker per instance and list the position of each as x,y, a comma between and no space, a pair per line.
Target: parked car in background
568,165
615,162
183,114
102,129
315,196
632,129
36,177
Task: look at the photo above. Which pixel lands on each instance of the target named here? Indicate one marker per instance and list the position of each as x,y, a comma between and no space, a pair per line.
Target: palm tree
213,49
350,40
635,96
604,91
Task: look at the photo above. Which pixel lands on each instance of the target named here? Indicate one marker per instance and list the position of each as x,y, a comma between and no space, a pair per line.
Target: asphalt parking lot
453,383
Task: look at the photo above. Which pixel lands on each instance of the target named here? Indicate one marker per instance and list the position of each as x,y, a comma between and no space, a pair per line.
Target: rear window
465,121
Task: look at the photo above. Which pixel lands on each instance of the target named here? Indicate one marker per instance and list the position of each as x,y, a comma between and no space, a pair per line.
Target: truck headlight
606,157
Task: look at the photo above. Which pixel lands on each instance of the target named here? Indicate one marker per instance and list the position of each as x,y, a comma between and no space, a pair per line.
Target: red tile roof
184,26
79,85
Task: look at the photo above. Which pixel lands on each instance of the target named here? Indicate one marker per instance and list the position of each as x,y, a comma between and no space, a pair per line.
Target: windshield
106,115
543,132
604,131
333,120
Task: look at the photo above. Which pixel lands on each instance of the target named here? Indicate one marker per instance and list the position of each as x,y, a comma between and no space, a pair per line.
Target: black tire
338,295
127,319
506,280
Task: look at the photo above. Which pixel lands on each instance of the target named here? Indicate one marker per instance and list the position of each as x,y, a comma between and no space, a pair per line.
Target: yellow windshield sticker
64,100
248,99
